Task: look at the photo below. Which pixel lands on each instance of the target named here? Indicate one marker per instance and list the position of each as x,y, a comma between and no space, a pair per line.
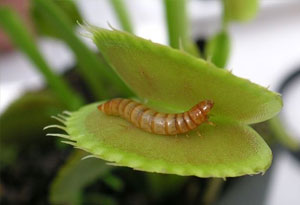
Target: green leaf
13,25
42,24
162,185
212,191
177,22
37,105
218,48
282,136
176,17
30,113
93,68
68,185
122,14
170,80
240,10
113,182
225,150
8,156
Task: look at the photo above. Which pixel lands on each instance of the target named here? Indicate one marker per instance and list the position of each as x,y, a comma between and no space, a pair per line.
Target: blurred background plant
38,169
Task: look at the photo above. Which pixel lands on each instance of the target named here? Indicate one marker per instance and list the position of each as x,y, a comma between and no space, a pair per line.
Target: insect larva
156,122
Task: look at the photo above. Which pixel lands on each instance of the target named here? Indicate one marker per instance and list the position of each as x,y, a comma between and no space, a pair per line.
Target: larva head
199,111
101,107
205,106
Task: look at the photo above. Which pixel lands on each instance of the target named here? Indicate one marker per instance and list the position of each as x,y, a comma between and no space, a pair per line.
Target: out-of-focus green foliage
282,136
113,182
23,121
93,69
177,22
218,49
160,185
74,176
42,24
239,10
212,191
8,154
122,14
19,34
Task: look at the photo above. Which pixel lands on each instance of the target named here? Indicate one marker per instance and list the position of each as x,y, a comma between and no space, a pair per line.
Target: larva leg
210,123
127,127
199,134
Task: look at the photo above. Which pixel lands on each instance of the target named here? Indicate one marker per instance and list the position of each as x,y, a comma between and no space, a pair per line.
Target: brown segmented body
156,122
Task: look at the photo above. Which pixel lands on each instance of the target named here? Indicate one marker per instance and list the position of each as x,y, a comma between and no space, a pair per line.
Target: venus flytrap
177,23
217,49
169,80
69,183
236,10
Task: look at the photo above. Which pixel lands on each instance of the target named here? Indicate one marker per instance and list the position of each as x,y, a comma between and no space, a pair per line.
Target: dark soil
27,180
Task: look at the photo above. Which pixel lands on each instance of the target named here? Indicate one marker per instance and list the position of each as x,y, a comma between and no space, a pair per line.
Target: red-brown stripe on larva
159,123
152,121
155,122
140,116
176,122
171,124
136,114
188,121
128,109
115,105
123,105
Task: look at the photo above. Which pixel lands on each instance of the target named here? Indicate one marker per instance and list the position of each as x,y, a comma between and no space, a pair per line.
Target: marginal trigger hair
156,122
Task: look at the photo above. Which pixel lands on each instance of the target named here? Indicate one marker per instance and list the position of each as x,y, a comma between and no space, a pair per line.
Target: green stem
177,22
95,71
281,135
19,34
225,20
122,15
75,174
212,191
178,26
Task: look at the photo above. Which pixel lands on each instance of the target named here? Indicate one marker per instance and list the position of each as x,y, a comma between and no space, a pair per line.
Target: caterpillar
156,122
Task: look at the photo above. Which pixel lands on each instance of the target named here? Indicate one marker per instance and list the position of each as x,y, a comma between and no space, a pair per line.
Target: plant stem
213,190
225,20
64,190
95,71
122,15
282,136
19,34
178,26
177,22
